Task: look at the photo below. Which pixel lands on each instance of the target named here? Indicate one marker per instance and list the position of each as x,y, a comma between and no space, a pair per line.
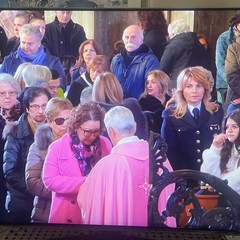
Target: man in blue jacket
133,65
31,50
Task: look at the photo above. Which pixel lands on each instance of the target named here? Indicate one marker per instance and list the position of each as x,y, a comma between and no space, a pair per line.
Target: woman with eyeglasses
57,112
19,137
10,111
222,159
71,158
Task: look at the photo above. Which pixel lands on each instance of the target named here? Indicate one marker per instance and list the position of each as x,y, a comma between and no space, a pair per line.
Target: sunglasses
60,121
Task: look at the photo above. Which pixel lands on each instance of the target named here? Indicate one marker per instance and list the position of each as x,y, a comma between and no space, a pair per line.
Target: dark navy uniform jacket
186,139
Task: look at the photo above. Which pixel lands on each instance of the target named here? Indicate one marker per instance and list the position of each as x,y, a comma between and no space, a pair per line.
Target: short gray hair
36,75
28,29
178,26
9,79
121,120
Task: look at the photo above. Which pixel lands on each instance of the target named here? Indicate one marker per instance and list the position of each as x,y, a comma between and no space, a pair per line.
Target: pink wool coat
62,176
117,189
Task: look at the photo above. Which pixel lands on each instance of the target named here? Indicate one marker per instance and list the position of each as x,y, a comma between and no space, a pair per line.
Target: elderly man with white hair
182,51
116,190
133,64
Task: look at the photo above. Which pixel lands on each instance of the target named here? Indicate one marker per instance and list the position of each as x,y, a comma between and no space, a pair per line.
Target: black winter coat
64,41
19,139
183,50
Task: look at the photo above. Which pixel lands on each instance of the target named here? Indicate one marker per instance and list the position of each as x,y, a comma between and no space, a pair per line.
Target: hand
219,140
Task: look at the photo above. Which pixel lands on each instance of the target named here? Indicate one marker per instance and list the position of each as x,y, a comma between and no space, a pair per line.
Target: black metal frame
226,217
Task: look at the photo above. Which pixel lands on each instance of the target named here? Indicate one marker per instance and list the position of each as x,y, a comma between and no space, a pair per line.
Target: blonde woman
191,120
108,92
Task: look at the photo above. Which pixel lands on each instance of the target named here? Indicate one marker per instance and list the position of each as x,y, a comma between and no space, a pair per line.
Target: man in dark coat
183,50
64,35
21,18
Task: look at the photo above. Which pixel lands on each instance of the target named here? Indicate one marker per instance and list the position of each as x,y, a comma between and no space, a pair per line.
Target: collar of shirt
190,107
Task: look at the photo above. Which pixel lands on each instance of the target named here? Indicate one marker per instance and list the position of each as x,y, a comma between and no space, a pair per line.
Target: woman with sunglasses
70,159
57,112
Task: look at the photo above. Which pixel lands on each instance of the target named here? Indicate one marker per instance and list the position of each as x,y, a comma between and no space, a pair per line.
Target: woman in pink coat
116,191
70,159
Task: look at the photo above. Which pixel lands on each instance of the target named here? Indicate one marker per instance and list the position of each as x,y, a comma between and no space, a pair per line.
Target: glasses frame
36,107
88,133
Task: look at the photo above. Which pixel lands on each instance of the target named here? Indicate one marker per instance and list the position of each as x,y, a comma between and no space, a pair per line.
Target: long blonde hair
107,89
200,75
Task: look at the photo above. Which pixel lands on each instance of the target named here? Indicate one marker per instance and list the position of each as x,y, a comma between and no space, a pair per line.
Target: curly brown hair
149,20
82,113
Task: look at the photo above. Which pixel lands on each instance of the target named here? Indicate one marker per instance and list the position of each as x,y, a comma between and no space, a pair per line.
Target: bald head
132,38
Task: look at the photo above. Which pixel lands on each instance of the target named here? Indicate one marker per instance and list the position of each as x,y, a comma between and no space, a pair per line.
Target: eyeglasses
60,121
232,127
9,93
37,107
88,133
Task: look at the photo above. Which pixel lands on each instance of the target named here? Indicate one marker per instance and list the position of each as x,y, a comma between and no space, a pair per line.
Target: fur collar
43,137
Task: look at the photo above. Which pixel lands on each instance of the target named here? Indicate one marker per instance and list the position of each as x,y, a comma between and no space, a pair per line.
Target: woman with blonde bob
108,92
191,120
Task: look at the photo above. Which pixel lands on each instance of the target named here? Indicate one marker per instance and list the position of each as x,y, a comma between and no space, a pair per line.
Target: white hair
176,27
121,120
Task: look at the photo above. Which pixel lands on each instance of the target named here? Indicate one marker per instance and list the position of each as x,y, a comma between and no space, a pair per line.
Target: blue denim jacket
224,40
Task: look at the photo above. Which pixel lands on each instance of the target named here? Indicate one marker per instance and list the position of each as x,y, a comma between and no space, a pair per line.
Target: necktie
196,114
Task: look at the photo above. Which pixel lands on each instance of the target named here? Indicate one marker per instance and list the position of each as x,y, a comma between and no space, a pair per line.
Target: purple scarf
87,155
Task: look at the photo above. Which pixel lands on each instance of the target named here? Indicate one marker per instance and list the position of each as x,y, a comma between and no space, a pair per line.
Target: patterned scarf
87,155
36,58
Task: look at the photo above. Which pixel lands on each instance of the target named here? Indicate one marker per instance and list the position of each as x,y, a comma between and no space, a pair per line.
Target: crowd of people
76,124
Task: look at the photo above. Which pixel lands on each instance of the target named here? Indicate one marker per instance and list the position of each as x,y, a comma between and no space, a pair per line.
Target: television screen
105,21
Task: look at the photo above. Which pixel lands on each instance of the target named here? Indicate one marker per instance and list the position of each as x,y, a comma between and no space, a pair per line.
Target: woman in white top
222,158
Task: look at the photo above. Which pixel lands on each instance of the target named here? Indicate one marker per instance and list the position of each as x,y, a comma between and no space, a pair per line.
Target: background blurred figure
222,158
108,92
19,137
183,50
10,111
68,62
98,64
70,159
154,98
87,51
57,112
154,26
86,95
3,43
118,47
131,66
190,123
224,40
21,18
31,50
232,68
18,74
54,84
64,35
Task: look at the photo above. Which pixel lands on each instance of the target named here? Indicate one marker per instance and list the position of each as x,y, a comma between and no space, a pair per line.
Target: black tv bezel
107,232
